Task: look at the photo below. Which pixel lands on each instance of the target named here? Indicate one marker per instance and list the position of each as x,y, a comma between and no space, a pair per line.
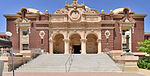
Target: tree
144,46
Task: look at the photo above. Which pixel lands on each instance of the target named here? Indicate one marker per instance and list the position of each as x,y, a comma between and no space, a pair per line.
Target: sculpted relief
76,13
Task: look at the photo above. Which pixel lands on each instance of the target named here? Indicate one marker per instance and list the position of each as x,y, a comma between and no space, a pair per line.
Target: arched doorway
58,45
91,44
75,43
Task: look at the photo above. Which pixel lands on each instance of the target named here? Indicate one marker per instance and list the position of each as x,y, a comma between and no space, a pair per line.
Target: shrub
148,66
144,63
144,46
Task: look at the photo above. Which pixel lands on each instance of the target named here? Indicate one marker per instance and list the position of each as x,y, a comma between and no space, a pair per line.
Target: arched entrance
58,45
91,44
75,43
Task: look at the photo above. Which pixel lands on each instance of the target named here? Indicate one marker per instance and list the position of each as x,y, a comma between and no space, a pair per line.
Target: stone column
83,46
66,46
99,46
51,46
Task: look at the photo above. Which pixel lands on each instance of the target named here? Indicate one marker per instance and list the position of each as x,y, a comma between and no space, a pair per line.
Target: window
41,41
124,31
124,46
25,46
25,32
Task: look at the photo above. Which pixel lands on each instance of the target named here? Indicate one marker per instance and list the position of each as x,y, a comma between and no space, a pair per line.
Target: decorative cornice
118,16
18,16
12,16
46,28
77,23
139,15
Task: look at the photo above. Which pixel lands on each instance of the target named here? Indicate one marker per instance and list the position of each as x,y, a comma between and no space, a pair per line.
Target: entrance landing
74,74
80,63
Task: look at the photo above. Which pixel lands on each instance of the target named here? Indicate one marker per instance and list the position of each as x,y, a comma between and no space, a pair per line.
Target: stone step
81,63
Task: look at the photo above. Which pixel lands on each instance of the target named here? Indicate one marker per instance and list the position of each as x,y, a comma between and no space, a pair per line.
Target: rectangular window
41,41
124,31
25,32
124,46
25,46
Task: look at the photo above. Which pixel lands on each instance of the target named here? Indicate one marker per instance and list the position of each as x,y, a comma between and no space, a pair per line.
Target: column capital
84,40
66,40
99,40
51,40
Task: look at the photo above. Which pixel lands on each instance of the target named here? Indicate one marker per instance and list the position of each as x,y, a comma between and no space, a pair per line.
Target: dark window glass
124,46
25,32
25,46
124,31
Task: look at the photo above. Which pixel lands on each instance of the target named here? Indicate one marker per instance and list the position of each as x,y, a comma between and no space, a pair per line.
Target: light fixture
127,33
8,34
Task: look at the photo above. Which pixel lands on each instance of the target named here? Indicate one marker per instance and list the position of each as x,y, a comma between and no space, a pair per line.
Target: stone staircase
80,63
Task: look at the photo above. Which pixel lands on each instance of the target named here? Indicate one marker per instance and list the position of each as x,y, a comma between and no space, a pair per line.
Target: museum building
76,27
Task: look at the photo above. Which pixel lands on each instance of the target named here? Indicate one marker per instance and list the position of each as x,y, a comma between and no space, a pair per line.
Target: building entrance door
77,49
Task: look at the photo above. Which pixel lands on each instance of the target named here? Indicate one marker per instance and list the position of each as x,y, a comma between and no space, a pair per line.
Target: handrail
69,60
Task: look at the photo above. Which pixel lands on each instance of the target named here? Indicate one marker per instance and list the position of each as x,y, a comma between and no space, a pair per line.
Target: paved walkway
74,74
81,63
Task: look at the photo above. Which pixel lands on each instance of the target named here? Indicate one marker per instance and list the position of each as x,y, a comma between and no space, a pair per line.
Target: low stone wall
30,53
126,63
144,71
5,60
19,60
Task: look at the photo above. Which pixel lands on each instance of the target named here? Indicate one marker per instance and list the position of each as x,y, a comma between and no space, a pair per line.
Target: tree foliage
144,46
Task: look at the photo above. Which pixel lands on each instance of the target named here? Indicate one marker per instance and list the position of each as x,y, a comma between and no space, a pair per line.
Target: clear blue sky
13,6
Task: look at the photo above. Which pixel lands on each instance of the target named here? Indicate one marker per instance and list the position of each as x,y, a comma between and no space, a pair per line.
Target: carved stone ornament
74,15
107,34
42,34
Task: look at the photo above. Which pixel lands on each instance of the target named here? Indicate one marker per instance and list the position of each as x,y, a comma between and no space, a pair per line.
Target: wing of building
76,27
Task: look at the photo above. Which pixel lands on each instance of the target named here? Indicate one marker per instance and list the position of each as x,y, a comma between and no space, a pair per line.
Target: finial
66,3
111,11
75,1
102,11
46,11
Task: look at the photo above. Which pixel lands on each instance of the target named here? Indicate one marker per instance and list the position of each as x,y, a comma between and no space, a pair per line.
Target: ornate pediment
127,20
61,11
127,23
20,20
76,12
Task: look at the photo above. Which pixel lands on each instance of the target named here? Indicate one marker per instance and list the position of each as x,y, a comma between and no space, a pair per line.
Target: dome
116,11
33,10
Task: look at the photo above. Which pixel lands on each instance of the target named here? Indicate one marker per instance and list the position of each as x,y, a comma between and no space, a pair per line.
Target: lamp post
9,34
127,33
127,41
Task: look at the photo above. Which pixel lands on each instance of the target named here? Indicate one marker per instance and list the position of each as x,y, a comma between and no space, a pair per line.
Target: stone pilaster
83,46
66,46
51,46
99,46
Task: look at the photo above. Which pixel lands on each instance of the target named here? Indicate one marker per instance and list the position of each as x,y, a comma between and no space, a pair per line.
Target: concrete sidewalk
74,74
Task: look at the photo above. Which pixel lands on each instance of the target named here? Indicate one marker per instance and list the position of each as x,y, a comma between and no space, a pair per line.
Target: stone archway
91,44
58,45
75,43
